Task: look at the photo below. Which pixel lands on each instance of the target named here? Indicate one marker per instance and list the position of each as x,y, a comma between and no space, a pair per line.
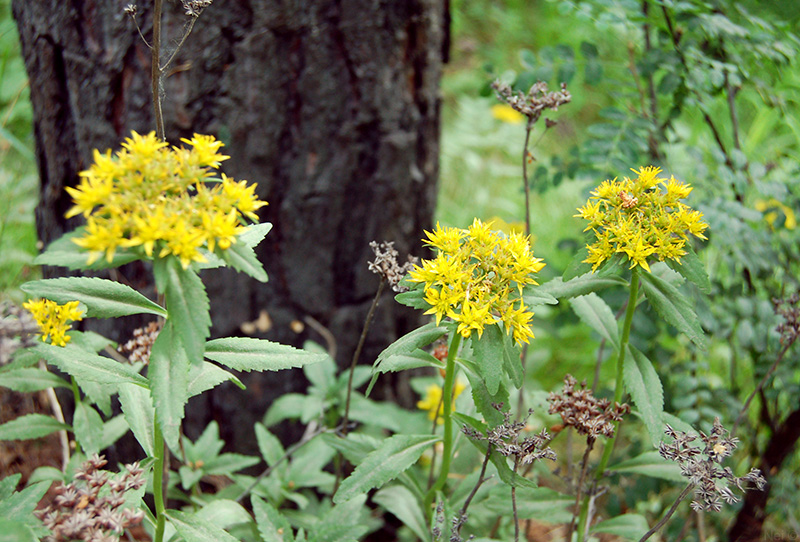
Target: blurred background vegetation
710,92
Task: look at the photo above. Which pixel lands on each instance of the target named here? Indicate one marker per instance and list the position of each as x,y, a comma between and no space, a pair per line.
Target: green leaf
642,382
540,503
512,361
413,360
30,426
243,258
487,351
227,464
577,267
208,376
627,526
88,428
480,394
650,464
8,485
414,298
224,513
196,529
254,234
187,304
272,525
407,344
65,253
393,456
137,407
269,445
692,269
17,531
581,285
533,295
30,379
673,307
342,523
169,382
22,504
113,430
103,298
402,503
89,366
595,313
248,354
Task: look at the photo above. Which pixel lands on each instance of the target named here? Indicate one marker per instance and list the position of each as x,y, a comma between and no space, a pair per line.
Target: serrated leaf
577,267
168,373
393,456
227,464
650,464
187,304
484,400
208,376
30,426
23,503
512,361
414,298
412,360
269,445
103,298
113,430
30,379
401,502
642,382
285,407
137,407
342,523
692,269
88,428
533,295
89,366
581,285
17,531
487,350
243,258
249,354
196,529
595,313
272,525
673,307
406,344
224,513
627,526
254,234
8,485
63,252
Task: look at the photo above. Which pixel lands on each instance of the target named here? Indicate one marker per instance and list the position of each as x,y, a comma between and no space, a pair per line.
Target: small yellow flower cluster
53,318
477,278
432,402
637,218
148,195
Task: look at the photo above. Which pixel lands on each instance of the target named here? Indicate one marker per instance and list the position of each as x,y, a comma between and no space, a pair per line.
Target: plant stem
447,395
514,502
579,491
158,481
155,70
527,188
618,389
671,511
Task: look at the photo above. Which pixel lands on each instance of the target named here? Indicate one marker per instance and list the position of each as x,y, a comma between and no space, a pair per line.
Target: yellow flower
477,279
637,218
770,209
506,113
432,402
161,200
53,318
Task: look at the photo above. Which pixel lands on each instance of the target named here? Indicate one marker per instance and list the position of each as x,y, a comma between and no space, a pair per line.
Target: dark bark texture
331,106
749,524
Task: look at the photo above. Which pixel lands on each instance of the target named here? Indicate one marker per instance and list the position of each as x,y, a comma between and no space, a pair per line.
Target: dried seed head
580,409
385,264
138,348
534,103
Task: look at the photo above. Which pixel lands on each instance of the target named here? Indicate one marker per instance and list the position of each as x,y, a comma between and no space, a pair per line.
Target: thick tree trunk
331,106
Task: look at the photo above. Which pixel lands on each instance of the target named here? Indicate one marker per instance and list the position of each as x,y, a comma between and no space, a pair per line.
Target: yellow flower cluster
637,218
53,318
154,197
432,402
477,278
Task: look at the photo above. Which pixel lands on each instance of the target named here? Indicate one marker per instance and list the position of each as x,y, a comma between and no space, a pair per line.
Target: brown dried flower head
138,348
534,103
699,465
90,507
385,264
505,439
789,310
580,409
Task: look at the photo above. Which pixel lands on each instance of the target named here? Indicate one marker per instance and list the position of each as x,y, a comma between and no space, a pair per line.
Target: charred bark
331,106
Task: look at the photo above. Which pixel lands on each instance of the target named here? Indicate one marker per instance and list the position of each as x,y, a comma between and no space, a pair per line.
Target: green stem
158,482
447,399
618,391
